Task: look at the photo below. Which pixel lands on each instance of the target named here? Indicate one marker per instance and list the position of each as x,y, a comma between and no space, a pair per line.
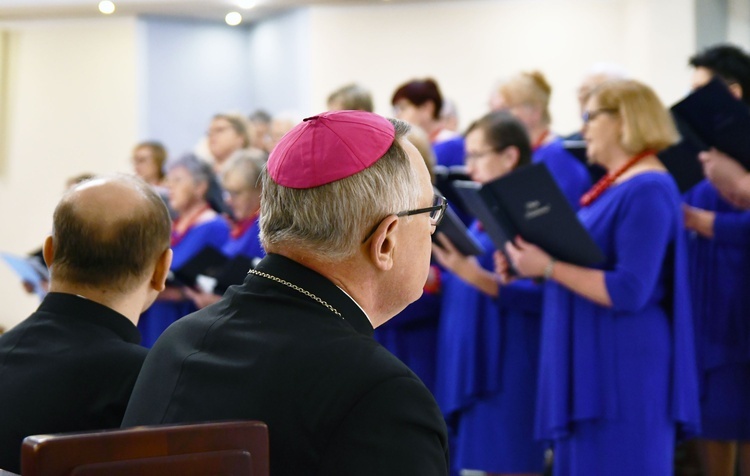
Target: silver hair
247,163
331,220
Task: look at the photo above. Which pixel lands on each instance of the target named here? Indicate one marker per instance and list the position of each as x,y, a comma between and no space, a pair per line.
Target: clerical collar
360,307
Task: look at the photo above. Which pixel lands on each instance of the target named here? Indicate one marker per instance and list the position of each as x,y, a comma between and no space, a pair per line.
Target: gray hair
331,220
247,163
201,172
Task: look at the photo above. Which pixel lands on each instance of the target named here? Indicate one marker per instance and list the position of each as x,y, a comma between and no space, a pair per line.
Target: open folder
31,269
458,234
529,203
708,117
211,271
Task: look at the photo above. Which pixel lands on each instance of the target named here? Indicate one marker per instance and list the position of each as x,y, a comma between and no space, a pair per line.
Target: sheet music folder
458,234
212,263
708,117
529,203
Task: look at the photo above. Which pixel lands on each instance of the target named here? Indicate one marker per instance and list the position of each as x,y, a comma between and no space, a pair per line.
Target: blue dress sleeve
644,230
732,229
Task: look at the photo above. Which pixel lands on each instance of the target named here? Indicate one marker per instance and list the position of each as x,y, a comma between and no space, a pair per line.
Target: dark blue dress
720,278
615,383
488,360
412,334
449,152
161,314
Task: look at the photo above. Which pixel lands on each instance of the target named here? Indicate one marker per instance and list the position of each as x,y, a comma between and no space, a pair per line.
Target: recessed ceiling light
106,7
233,18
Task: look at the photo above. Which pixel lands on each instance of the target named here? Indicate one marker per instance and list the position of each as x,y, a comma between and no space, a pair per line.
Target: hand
201,299
502,268
722,171
528,260
699,220
451,259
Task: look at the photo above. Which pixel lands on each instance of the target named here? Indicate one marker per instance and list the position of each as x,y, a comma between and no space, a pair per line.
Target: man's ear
161,270
48,251
513,156
383,243
736,90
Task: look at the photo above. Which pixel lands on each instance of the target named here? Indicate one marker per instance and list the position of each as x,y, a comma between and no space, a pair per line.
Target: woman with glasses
526,95
489,335
242,194
617,376
195,196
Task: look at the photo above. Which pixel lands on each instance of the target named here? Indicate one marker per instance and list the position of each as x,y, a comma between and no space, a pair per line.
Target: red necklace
241,227
605,182
538,143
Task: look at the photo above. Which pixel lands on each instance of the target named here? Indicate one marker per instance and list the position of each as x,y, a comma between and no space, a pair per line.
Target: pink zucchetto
329,147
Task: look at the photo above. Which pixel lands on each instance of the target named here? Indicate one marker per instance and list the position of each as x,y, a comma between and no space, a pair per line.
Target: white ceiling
206,9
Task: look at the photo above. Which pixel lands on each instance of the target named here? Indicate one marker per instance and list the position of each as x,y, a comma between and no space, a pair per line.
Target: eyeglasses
478,155
436,211
589,116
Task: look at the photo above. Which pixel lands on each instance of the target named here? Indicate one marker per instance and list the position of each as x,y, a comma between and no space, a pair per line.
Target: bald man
72,364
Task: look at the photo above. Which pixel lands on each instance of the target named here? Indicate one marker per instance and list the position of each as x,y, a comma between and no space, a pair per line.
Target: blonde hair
646,124
529,88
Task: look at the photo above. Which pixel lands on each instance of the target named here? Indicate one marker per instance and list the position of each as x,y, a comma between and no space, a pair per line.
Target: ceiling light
246,4
106,7
233,18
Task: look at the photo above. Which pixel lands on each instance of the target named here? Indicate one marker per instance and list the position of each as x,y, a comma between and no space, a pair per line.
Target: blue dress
412,334
449,152
569,173
720,278
488,359
161,314
246,244
615,383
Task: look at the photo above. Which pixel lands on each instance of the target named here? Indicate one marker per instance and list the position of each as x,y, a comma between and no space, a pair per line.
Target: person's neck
432,129
351,276
539,134
191,214
129,305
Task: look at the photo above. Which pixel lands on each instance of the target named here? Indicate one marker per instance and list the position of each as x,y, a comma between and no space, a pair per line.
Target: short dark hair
419,92
502,130
728,62
116,255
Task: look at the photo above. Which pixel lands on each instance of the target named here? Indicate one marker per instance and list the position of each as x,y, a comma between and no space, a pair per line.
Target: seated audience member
351,97
194,194
488,349
719,246
732,65
526,96
617,375
347,210
227,134
242,192
419,102
71,365
148,162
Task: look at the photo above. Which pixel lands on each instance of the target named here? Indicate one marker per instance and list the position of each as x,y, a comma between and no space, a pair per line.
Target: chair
236,448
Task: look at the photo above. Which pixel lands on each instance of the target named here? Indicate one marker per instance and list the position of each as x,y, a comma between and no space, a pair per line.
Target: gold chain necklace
296,288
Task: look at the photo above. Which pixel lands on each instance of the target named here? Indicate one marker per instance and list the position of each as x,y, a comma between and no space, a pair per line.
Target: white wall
72,110
190,70
468,45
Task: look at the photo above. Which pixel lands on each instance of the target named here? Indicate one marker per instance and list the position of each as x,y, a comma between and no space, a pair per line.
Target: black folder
444,179
529,203
458,234
214,264
708,117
